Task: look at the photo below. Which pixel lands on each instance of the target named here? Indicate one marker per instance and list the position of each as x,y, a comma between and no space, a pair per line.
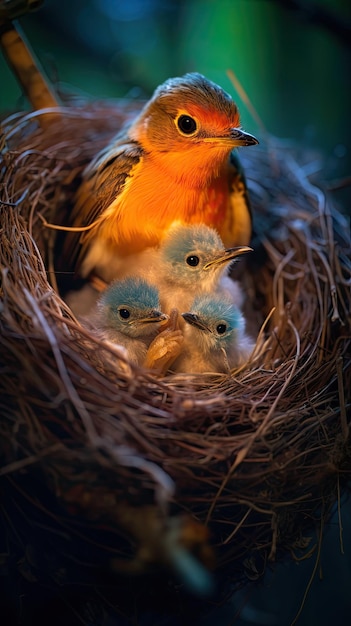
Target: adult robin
174,163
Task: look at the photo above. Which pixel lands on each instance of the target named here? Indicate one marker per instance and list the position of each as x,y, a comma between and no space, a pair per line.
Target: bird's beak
234,139
227,256
156,317
194,320
241,138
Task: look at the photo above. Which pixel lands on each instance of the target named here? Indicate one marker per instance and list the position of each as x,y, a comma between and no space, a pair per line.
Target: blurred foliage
293,65
291,56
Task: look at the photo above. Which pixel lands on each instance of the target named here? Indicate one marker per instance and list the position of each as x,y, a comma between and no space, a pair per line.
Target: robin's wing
103,181
239,223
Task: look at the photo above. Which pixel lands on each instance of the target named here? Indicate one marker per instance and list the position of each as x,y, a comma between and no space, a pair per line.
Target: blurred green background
291,56
293,59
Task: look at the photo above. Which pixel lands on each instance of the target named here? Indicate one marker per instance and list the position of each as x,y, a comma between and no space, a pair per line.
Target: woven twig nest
104,466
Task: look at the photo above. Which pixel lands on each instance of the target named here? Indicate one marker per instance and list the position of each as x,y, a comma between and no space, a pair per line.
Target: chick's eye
124,313
193,260
186,124
221,328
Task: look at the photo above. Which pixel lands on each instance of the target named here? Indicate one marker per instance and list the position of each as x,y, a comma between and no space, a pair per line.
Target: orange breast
152,200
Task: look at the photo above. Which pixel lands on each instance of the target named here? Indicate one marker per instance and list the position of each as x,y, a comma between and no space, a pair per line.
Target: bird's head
194,256
131,306
194,116
213,322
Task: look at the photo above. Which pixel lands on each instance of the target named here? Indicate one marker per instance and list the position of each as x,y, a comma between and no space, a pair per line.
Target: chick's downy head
132,307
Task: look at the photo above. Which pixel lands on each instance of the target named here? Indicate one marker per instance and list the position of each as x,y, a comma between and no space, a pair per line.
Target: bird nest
108,471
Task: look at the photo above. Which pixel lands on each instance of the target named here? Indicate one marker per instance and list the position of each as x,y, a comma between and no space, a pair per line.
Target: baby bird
192,260
175,161
128,313
214,337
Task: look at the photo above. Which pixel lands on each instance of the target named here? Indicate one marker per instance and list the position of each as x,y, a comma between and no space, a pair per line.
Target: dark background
293,59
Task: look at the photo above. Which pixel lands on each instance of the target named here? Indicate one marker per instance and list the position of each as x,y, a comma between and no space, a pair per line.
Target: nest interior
108,472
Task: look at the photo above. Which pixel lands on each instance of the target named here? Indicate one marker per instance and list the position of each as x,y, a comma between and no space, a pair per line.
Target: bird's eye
192,260
221,328
186,124
124,313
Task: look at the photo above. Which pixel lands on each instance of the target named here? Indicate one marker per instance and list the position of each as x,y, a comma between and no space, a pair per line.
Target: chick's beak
155,317
194,320
227,256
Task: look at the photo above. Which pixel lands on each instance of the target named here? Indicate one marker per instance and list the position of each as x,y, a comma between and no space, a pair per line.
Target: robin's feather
104,179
